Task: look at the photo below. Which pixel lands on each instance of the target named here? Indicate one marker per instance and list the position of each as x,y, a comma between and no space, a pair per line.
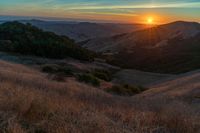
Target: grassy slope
29,102
184,86
135,77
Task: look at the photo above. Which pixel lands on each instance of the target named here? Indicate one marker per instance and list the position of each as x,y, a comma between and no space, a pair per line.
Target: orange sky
126,11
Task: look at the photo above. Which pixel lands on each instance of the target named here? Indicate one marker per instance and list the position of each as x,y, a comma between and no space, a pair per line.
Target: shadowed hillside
156,36
170,48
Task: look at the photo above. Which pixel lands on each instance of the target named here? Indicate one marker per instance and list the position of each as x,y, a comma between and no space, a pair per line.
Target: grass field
30,102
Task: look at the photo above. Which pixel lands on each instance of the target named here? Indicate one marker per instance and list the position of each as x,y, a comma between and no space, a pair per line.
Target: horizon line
59,19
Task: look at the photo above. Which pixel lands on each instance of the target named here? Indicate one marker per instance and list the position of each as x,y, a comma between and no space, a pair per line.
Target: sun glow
150,20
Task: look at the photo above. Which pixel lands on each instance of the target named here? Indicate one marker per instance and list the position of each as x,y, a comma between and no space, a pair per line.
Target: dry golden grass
30,103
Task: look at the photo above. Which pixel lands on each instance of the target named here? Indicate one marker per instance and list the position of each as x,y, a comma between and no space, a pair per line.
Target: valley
99,66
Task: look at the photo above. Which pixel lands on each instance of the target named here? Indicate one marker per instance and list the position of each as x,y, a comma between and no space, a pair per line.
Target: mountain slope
152,37
171,48
177,57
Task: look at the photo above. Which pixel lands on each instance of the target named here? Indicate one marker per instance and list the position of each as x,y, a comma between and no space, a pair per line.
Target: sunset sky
128,11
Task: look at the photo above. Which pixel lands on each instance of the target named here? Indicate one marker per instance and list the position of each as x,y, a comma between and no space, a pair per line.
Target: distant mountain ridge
81,31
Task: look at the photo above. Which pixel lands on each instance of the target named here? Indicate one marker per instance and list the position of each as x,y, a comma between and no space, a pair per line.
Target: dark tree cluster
27,39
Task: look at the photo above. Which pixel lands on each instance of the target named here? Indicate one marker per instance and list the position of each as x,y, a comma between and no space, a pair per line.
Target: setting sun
150,20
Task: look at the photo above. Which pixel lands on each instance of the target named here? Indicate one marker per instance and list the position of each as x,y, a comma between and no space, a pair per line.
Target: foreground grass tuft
126,90
88,78
102,74
53,68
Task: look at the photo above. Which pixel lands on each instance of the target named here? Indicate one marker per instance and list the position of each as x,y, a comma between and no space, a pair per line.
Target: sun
150,20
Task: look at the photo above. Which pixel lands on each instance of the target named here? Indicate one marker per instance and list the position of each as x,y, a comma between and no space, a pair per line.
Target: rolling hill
147,38
169,48
183,87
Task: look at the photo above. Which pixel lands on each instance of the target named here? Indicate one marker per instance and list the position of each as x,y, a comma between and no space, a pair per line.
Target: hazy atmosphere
128,11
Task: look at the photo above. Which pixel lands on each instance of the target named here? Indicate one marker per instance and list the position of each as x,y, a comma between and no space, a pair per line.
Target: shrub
88,78
59,77
126,90
56,69
50,68
102,74
198,97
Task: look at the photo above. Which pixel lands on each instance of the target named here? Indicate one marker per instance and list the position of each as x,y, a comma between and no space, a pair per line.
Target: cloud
98,8
163,5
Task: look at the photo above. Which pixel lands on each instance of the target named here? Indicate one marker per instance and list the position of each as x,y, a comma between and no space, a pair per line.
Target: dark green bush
50,68
59,77
88,78
198,97
102,74
126,90
56,69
